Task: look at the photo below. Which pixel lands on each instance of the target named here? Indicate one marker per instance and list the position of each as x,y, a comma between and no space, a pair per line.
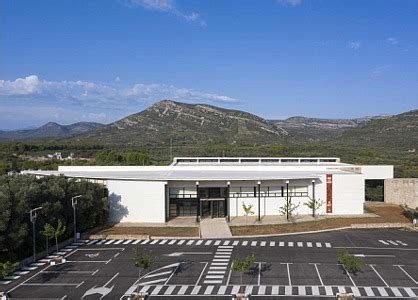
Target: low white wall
377,172
136,201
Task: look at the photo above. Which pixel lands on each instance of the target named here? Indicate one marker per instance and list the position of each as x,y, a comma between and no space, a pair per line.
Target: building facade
217,187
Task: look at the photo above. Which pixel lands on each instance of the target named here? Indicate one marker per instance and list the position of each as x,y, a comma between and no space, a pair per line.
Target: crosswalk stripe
144,242
154,242
235,243
272,244
109,242
162,242
261,290
384,242
225,246
245,243
145,288
288,290
302,291
315,291
263,243
328,291
281,244
222,290
183,290
254,243
199,242
217,268
92,242
300,244
101,242
156,290
222,256
181,242
290,244
196,290
226,243
396,292
217,243
410,292
208,242
249,289
172,242
382,291
319,245
118,242
158,274
127,242
190,242
328,245
219,260
393,243
402,243
355,291
309,244
209,290
369,291
341,289
215,276
170,290
217,272
235,289
219,264
136,242
275,290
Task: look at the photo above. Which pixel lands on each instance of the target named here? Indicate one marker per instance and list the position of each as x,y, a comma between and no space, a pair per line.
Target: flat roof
187,175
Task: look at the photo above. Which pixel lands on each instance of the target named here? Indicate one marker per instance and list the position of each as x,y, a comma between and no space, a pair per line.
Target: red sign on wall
329,193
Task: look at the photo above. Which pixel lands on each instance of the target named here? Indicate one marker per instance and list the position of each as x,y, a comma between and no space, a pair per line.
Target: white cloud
93,94
379,70
354,45
392,41
291,3
167,6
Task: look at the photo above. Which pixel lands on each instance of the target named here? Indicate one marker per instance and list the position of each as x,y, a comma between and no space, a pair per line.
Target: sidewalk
214,228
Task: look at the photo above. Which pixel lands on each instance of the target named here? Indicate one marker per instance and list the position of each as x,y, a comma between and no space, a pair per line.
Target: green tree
7,268
55,232
3,167
351,263
288,209
48,232
243,265
248,210
314,205
143,260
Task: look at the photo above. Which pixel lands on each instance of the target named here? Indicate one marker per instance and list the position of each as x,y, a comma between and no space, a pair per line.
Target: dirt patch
152,231
387,214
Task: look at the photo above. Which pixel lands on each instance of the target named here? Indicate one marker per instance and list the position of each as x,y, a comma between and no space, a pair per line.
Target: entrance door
217,209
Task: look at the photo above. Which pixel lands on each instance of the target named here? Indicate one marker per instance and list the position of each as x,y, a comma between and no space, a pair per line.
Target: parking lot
298,265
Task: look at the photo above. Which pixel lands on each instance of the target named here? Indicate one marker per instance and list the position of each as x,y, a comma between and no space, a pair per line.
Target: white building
217,186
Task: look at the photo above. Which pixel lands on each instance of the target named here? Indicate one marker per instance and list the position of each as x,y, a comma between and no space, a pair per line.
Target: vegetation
314,205
351,263
243,265
19,194
7,268
288,208
55,232
143,260
248,210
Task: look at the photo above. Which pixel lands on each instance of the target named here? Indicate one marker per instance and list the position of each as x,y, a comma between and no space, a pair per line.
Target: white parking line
319,275
209,289
381,278
183,289
406,273
348,274
156,290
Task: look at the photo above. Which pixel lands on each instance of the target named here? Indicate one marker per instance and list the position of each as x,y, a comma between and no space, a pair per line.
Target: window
229,160
289,160
249,160
309,160
208,160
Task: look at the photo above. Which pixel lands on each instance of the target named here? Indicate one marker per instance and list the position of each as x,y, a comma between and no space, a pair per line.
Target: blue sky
79,60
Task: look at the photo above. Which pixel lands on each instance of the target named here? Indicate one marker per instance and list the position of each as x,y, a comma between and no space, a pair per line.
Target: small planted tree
351,263
7,268
314,205
288,209
243,265
55,232
248,210
143,260
48,232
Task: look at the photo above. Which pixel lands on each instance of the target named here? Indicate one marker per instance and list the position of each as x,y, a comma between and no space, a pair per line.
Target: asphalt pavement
302,265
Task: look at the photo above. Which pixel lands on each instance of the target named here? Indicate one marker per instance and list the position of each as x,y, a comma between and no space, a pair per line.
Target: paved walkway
214,228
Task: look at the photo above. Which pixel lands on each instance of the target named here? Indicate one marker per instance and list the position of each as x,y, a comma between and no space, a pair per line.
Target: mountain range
182,123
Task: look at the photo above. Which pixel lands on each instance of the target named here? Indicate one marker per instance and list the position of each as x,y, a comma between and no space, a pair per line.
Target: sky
100,60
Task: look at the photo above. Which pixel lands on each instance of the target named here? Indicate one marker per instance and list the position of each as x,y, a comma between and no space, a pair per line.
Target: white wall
137,201
347,194
377,172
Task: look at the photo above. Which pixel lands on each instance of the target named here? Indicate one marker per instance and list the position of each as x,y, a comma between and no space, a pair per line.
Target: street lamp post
74,205
33,214
287,200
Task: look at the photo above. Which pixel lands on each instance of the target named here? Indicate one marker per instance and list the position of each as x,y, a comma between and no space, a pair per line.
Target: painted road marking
328,245
382,291
319,245
281,244
137,241
127,242
208,242
190,242
290,244
402,243
272,244
384,243
300,244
